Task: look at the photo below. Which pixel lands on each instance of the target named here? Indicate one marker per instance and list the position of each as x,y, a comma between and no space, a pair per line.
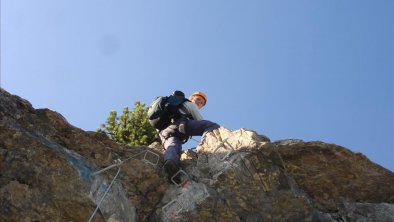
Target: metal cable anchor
220,145
184,179
149,154
173,203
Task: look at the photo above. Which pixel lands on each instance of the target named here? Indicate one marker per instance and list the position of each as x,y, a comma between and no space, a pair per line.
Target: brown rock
49,171
331,174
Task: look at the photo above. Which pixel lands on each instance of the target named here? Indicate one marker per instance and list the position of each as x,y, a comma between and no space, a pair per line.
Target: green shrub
131,128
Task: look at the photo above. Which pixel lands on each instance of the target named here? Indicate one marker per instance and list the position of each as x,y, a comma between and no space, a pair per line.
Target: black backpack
163,109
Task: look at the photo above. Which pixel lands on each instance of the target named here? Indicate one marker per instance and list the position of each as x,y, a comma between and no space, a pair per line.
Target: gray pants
180,130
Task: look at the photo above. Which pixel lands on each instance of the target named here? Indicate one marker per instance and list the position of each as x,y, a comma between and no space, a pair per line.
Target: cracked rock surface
47,173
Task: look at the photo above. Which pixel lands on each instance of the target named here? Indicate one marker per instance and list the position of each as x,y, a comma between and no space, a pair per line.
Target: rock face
53,171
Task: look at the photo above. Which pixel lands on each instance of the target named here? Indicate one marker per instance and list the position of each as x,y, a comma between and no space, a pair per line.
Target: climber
189,124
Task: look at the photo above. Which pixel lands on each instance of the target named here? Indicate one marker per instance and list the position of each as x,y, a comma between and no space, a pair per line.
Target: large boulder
53,171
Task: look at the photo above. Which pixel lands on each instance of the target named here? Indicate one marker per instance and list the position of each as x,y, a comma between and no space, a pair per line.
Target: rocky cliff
53,171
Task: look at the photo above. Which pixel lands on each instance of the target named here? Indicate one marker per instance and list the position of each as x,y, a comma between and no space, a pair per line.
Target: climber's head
199,98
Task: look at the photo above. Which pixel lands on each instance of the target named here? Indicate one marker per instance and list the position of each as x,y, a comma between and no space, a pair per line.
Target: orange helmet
199,94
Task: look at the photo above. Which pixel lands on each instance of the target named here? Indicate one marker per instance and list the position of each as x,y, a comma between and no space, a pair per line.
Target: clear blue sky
311,70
